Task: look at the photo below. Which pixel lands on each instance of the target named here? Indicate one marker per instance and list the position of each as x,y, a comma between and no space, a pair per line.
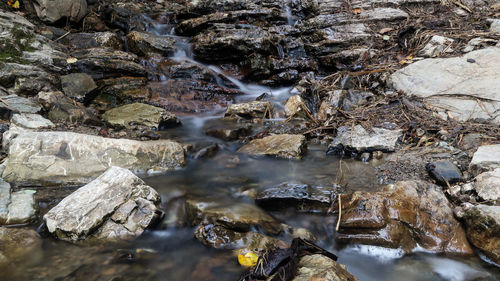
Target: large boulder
283,146
53,10
409,215
52,158
140,114
486,158
466,87
483,229
115,206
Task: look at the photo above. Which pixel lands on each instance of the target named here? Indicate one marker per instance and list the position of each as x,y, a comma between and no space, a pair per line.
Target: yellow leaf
14,4
71,60
248,259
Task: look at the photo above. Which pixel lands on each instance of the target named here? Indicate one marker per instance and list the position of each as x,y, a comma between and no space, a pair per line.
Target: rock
444,172
52,11
140,114
494,25
436,46
319,267
55,158
63,109
486,158
229,134
16,207
93,40
77,85
106,62
483,230
241,217
295,106
19,245
207,151
478,43
283,146
302,197
361,140
27,80
142,44
330,104
249,110
409,215
353,99
115,206
15,104
31,121
464,90
220,237
488,185
120,91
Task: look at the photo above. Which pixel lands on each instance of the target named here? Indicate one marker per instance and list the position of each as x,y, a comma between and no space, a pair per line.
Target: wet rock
142,43
249,110
16,207
302,197
223,42
465,90
77,85
295,106
63,109
488,185
408,215
220,237
240,217
486,158
115,206
444,172
360,140
106,62
320,267
283,146
54,158
121,90
436,45
207,151
140,115
18,244
229,134
93,40
483,229
15,104
52,11
31,121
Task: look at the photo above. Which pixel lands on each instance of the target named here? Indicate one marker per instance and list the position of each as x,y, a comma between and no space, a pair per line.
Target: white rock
488,185
361,140
436,46
486,158
31,121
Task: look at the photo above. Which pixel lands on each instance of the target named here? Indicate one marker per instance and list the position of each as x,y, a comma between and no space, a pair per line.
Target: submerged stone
19,245
302,197
16,207
115,206
283,146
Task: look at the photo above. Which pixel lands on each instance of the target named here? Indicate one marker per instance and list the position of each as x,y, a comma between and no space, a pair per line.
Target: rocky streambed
311,140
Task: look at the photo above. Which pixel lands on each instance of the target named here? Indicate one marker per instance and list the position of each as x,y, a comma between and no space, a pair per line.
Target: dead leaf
356,11
385,30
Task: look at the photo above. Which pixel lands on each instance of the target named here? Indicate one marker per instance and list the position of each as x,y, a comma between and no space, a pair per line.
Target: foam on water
453,270
382,254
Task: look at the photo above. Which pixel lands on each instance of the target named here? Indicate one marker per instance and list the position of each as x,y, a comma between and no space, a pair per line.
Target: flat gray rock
77,85
16,207
54,158
117,205
486,158
17,104
31,121
466,87
361,140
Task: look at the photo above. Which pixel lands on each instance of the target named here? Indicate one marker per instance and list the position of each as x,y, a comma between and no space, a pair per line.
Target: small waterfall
288,12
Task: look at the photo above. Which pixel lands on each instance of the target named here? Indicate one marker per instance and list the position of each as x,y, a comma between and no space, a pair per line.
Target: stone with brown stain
406,215
286,146
483,229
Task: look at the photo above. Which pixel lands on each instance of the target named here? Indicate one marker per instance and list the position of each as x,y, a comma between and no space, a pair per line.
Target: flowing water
170,252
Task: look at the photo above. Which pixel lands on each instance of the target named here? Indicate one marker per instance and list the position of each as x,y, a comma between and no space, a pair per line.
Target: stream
171,252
